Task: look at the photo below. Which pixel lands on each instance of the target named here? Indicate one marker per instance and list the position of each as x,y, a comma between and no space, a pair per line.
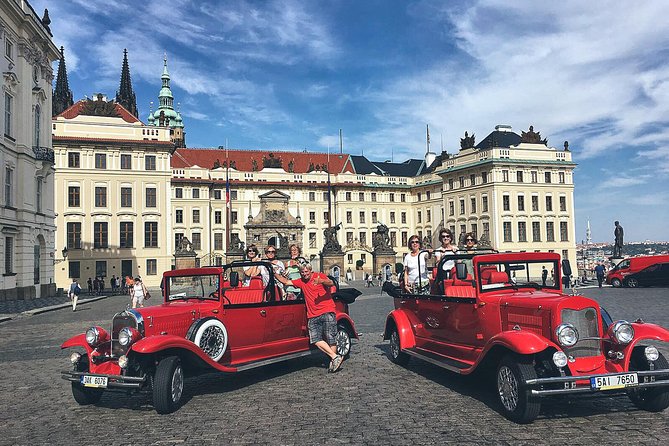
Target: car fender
347,320
403,324
521,342
644,332
77,341
156,344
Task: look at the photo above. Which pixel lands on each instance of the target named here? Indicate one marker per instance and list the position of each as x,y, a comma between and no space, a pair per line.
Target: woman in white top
446,248
415,265
139,293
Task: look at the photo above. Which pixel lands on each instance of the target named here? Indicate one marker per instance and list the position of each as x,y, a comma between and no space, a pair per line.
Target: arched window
38,113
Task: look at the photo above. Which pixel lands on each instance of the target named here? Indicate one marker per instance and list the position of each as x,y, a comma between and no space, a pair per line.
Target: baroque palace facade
128,194
26,156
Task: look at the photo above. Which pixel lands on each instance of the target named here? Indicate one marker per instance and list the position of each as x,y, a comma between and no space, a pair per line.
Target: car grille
121,320
586,323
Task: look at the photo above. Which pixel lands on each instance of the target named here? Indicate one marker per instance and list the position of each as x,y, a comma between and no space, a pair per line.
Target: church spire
125,96
62,95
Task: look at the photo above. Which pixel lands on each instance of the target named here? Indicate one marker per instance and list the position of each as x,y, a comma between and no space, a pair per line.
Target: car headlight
123,361
75,357
621,332
651,353
560,359
127,336
96,336
566,334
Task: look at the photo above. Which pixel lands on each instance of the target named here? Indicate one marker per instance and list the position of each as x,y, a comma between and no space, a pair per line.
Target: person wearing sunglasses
415,266
470,241
447,248
277,266
253,255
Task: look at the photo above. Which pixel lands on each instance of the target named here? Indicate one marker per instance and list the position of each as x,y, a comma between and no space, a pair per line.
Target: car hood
174,317
547,300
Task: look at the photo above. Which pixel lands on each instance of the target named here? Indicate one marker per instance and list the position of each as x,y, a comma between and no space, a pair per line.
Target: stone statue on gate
381,239
330,235
618,244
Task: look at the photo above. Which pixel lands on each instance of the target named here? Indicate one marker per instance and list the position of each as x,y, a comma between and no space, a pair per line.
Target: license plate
94,381
614,381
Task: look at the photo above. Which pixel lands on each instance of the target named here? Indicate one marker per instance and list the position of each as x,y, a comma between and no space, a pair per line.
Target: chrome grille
587,324
121,320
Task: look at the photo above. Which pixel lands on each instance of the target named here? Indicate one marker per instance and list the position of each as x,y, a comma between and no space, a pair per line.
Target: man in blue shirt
599,271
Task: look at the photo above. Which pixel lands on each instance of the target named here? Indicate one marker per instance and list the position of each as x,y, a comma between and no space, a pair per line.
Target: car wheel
616,283
343,341
168,385
396,354
653,399
85,396
211,336
632,283
515,398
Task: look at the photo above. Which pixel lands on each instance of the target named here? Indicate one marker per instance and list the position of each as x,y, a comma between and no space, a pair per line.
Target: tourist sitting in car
253,255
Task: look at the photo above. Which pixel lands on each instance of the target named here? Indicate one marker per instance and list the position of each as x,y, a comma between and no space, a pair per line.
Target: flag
428,133
227,190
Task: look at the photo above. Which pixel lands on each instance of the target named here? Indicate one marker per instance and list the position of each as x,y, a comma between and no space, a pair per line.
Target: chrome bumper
113,381
647,378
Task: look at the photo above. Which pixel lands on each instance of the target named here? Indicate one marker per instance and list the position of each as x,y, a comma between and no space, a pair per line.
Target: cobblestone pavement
371,401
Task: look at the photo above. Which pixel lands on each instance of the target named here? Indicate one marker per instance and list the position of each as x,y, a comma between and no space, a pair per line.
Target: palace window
73,160
73,197
151,201
100,235
149,162
100,160
126,162
74,236
126,197
151,234
126,237
100,197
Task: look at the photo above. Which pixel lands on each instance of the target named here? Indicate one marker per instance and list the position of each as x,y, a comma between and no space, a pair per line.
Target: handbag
147,295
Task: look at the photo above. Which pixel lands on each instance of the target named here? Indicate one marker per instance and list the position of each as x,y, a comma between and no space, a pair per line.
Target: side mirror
566,268
234,279
461,271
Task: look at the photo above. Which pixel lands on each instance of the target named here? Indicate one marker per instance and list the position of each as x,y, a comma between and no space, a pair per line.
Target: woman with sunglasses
253,255
470,241
415,266
446,248
293,271
277,266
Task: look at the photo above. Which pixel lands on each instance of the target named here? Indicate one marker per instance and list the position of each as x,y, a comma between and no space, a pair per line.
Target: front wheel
343,340
168,385
632,283
616,283
515,398
652,399
396,354
85,396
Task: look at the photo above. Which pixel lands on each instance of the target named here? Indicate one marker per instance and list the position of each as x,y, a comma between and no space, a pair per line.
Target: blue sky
289,74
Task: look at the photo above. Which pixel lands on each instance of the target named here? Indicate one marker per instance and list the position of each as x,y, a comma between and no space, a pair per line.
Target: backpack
77,290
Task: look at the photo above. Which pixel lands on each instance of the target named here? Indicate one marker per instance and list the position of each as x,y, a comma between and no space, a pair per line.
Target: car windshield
193,287
519,274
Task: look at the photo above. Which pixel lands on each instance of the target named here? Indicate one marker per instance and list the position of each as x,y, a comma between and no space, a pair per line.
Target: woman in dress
446,248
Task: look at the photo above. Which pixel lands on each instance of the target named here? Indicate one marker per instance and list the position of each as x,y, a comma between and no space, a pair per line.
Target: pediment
274,195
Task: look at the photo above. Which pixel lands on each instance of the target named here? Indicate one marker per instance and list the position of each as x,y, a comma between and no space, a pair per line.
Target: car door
245,323
286,327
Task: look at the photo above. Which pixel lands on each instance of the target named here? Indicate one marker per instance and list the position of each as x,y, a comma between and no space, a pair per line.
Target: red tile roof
242,160
77,108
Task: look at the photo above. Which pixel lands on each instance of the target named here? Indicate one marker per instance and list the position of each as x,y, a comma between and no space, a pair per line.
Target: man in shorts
320,311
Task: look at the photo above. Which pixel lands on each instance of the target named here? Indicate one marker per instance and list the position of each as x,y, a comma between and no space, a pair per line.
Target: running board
447,363
264,362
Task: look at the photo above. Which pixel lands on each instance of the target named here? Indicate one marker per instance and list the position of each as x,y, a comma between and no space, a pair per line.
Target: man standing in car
320,311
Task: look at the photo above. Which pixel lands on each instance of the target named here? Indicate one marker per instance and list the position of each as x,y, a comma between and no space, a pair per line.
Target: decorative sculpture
532,137
331,243
468,141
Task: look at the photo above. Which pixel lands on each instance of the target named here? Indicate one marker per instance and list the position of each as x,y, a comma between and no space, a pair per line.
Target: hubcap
632,283
507,386
394,344
343,342
212,341
177,383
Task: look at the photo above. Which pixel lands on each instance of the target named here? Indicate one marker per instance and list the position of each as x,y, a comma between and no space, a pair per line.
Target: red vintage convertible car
208,321
494,310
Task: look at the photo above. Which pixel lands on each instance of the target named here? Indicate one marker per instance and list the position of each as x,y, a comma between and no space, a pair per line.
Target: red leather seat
498,277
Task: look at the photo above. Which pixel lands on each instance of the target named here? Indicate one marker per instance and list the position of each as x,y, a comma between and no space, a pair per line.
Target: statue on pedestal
330,235
381,240
618,244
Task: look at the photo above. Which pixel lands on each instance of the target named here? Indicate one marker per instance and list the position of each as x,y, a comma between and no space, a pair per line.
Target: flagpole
329,191
228,206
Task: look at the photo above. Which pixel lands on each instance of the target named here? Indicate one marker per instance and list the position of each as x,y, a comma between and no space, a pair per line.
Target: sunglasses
270,252
470,239
251,252
414,241
446,236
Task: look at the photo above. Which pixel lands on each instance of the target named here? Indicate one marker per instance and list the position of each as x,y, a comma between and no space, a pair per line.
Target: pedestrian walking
544,275
90,286
73,293
139,292
599,271
96,286
112,284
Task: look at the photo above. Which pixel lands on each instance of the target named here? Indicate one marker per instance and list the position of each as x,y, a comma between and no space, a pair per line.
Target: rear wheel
515,398
396,354
168,385
343,341
632,283
616,283
652,399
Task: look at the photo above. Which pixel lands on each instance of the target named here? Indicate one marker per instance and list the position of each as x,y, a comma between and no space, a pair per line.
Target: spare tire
210,335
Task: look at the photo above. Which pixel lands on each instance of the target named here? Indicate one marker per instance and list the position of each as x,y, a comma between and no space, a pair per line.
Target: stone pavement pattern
371,401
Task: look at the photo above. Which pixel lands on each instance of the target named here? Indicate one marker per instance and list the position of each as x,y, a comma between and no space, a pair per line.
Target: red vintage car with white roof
494,310
208,321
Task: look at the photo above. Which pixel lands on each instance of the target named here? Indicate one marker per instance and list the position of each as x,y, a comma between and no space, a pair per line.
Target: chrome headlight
560,359
566,334
75,357
621,332
651,353
92,336
124,336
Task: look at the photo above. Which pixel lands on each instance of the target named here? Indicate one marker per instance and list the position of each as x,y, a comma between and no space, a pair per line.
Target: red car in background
207,322
492,312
